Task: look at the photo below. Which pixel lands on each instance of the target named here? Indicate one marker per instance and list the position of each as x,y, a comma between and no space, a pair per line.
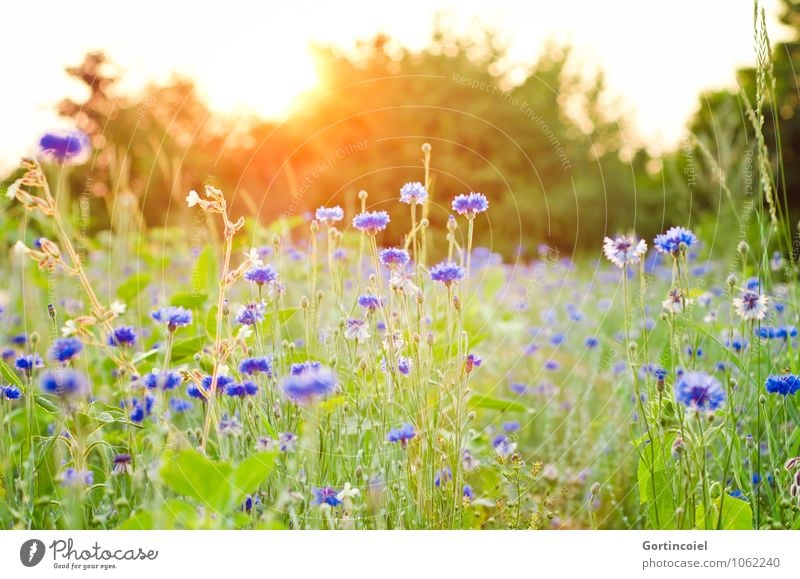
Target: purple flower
371,221
65,349
447,273
503,446
326,496
261,275
76,478
252,366
699,390
674,240
329,214
413,193
302,367
472,362
309,384
65,146
64,382
162,380
402,435
174,316
29,363
470,204
242,390
122,336
251,313
443,477
393,257
369,302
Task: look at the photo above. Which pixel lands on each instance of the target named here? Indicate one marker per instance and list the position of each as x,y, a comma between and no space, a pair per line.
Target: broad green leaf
141,521
130,289
193,475
205,275
251,474
187,348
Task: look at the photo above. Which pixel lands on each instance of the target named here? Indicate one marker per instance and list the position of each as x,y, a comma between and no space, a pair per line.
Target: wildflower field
232,373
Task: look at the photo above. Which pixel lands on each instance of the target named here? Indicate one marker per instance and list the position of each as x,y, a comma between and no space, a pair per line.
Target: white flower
348,492
676,301
751,305
118,308
21,249
69,328
244,332
223,370
193,198
11,192
356,330
253,256
402,283
624,250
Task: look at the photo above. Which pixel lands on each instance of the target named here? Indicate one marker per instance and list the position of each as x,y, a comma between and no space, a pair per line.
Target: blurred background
576,119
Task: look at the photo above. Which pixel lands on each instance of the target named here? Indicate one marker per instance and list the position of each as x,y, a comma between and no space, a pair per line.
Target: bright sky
254,57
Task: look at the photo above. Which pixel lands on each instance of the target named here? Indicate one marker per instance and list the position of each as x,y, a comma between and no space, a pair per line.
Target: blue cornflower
122,336
162,380
467,493
19,339
470,204
675,239
503,445
329,214
141,409
443,477
179,405
174,316
737,343
251,313
394,256
246,388
301,367
76,478
413,193
371,221
310,384
65,349
261,274
511,426
447,273
29,363
65,146
252,366
369,302
287,441
557,339
784,384
10,392
752,284
404,365
699,390
402,435
326,496
64,382
222,382
592,342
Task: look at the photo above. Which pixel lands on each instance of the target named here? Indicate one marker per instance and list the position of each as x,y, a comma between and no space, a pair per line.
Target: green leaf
187,348
205,275
211,322
736,515
193,475
478,401
251,474
10,377
141,521
130,289
190,301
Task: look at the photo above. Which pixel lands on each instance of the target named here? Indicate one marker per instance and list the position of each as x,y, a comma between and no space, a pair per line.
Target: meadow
297,375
